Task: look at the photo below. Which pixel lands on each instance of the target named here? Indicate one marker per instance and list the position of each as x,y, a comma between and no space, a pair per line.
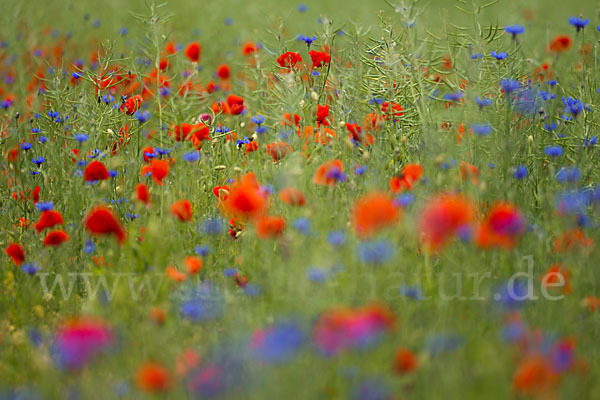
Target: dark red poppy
95,171
48,219
319,58
223,71
322,114
192,51
56,238
15,251
101,220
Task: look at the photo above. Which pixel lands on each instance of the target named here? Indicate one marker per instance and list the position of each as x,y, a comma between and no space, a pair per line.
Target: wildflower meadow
370,200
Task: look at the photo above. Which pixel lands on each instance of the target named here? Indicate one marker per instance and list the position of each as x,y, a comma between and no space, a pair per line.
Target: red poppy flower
395,109
319,58
56,238
160,170
15,251
443,217
100,220
249,48
292,196
182,209
405,361
322,114
560,43
193,264
48,219
279,150
223,71
192,51
250,147
235,103
245,200
323,175
534,377
268,226
501,227
410,174
95,171
131,105
221,192
289,59
373,212
143,194
148,153
174,274
153,377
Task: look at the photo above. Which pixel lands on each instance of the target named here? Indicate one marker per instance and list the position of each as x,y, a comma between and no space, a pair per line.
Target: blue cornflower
5,104
302,225
228,21
336,238
192,156
30,269
202,251
123,31
569,175
520,172
454,97
76,75
204,302
212,226
302,8
513,294
258,119
573,106
131,216
44,205
500,55
316,274
336,175
81,137
360,170
26,146
553,151
590,142
514,30
277,343
112,173
404,200
89,247
376,252
476,56
550,128
412,292
43,139
142,116
38,160
261,129
483,102
509,85
579,23
481,129
162,152
307,39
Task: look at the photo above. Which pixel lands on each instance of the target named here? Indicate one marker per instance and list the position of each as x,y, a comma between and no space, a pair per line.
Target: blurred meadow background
262,200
